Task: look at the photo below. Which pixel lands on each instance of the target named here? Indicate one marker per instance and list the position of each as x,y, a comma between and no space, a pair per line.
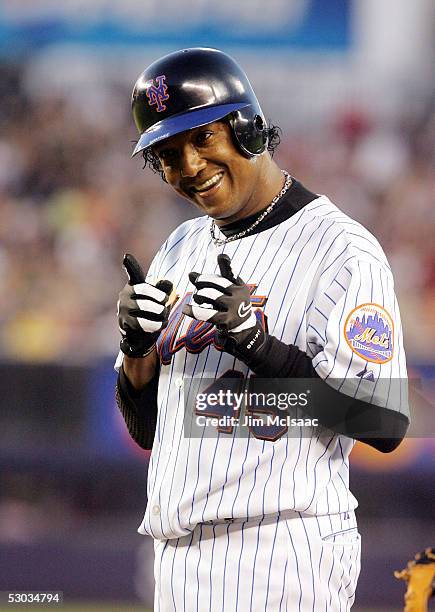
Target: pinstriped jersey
324,284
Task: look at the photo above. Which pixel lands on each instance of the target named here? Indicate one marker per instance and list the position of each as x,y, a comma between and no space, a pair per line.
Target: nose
191,162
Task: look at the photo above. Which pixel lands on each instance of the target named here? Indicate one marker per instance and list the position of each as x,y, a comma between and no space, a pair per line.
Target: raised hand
225,301
143,310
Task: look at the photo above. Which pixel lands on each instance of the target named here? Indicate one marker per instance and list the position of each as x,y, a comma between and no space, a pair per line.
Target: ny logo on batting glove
225,301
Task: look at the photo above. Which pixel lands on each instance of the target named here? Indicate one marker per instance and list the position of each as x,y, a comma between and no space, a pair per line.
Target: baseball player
271,281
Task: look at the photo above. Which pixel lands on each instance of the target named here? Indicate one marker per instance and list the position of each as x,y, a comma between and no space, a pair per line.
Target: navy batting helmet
193,87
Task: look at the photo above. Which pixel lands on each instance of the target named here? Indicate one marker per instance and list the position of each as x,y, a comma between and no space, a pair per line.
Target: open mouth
208,185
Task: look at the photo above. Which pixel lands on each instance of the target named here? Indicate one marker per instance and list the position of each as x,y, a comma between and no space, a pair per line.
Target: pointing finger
224,263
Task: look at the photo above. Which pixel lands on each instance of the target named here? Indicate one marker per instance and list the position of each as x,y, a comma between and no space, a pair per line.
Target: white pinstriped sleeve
355,334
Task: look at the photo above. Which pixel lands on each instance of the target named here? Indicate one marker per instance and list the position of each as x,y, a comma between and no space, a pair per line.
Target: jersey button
179,382
156,509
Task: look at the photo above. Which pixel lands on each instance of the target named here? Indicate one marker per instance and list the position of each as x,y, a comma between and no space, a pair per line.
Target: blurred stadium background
351,83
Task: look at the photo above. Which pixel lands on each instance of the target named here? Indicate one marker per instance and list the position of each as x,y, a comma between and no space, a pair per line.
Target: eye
203,136
166,154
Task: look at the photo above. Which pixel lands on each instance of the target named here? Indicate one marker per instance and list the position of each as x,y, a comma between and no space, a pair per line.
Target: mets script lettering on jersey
157,94
199,334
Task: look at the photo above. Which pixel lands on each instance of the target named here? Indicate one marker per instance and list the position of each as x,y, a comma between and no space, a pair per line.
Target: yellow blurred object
33,337
419,575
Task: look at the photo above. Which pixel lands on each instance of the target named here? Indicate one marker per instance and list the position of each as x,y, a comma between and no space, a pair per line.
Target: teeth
210,183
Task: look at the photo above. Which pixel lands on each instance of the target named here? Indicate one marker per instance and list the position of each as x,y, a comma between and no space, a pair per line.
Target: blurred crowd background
72,201
354,93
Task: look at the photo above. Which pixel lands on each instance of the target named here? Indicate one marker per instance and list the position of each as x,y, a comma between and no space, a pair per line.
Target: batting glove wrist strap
249,345
143,310
136,346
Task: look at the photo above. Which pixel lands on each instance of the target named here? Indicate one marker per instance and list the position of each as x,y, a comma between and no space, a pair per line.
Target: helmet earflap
250,130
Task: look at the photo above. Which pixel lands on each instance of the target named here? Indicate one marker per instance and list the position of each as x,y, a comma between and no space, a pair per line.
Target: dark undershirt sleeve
138,408
374,425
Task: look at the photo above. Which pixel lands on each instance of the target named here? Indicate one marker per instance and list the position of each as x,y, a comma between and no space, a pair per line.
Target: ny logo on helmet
157,94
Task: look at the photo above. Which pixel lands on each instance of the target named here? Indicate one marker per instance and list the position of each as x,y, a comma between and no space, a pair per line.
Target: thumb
224,263
134,270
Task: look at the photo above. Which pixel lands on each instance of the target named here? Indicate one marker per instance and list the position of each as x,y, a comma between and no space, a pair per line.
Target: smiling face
204,166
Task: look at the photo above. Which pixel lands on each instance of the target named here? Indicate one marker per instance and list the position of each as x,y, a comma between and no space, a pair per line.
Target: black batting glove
225,301
143,310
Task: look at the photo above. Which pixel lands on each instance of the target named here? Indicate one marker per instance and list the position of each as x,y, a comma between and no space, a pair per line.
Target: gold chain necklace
222,241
